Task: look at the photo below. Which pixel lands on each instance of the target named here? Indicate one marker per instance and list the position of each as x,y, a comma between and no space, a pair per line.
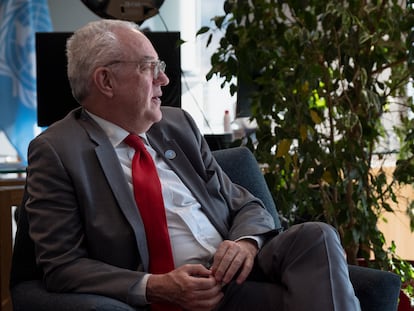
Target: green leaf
210,37
283,148
218,20
202,30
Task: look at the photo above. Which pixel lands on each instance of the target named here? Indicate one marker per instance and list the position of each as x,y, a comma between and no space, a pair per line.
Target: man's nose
162,79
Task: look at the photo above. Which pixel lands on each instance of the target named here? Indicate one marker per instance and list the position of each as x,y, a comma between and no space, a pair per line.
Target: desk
11,192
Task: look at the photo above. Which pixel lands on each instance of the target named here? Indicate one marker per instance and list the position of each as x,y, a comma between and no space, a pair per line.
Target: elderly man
126,200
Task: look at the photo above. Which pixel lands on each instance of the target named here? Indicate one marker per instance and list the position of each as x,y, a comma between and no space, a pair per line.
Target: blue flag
19,21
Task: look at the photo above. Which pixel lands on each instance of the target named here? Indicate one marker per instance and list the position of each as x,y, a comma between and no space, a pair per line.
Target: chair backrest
24,266
241,166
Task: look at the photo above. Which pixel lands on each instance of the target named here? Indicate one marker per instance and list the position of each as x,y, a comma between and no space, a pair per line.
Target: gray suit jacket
87,230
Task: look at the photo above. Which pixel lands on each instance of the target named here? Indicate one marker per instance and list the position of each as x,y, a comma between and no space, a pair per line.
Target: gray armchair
376,290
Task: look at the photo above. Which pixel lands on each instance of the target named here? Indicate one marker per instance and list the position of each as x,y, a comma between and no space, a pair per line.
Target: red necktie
148,195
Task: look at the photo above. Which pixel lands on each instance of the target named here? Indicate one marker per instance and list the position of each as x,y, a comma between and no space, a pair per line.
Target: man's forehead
140,45
149,58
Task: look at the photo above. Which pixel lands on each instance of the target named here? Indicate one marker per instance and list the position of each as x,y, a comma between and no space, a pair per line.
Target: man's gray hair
93,45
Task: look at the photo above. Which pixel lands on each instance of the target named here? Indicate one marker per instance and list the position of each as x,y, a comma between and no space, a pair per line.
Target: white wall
7,151
69,15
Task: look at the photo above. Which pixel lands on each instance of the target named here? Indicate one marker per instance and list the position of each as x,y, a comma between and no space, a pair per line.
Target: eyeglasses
156,66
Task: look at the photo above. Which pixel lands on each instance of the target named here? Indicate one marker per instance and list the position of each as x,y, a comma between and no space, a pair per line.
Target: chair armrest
33,293
375,289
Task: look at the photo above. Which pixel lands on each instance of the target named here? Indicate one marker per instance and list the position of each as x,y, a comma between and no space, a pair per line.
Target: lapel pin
170,154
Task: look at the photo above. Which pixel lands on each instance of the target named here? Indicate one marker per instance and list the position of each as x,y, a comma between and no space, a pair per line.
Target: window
204,100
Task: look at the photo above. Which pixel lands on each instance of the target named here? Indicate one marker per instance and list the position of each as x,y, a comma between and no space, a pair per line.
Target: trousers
303,268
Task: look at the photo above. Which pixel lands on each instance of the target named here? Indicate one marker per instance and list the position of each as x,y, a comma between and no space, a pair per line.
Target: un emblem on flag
19,21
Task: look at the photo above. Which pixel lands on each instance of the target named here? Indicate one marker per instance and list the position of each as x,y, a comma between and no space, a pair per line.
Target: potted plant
323,75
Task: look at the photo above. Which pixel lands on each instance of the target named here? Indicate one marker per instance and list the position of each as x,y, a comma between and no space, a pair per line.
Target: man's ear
103,79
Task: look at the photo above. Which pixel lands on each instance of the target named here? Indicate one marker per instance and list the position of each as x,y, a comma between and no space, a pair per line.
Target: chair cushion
33,294
375,289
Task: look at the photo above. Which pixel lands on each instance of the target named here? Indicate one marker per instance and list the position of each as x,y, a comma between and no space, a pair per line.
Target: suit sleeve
233,210
63,207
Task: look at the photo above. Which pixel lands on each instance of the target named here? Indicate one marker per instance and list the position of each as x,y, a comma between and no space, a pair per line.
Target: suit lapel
111,167
175,157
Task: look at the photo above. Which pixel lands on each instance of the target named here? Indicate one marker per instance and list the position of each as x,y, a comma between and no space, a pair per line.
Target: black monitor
245,92
54,96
